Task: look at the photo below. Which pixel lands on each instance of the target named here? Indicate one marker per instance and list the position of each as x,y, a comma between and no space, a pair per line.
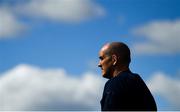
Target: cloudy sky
49,50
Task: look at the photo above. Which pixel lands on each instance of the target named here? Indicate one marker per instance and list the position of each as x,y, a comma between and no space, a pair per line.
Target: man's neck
118,71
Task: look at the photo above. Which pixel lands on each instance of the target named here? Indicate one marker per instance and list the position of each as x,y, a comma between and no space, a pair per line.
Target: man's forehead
103,50
105,47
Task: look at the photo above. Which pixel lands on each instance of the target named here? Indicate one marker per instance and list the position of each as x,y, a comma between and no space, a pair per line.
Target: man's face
105,63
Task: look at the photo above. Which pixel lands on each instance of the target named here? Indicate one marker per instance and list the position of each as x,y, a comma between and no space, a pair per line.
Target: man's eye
101,58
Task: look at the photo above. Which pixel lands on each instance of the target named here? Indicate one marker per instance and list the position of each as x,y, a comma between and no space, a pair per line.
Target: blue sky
67,34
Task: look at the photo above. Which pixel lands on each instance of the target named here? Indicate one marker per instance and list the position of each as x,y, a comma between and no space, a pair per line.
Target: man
124,91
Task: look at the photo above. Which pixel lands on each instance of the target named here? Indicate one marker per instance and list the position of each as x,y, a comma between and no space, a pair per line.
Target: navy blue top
127,91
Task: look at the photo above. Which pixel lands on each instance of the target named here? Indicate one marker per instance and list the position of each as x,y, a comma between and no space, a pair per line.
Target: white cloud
27,87
9,24
62,10
167,87
31,88
162,37
69,11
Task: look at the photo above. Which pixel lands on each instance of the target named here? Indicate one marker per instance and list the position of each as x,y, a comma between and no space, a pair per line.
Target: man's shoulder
128,75
129,79
124,80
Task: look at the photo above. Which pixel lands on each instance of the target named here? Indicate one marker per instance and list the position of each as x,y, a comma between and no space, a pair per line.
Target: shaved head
119,49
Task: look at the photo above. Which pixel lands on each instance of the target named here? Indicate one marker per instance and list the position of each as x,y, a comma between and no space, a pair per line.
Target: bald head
114,58
119,49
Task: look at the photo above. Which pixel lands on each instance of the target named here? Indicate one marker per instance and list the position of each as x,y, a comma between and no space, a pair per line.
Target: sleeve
109,101
112,99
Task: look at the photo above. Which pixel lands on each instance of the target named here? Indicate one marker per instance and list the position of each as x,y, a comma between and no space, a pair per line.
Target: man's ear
114,59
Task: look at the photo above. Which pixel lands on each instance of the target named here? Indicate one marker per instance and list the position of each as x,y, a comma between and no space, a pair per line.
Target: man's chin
106,76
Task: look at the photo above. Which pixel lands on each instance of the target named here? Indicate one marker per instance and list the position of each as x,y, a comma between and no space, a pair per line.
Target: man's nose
99,65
